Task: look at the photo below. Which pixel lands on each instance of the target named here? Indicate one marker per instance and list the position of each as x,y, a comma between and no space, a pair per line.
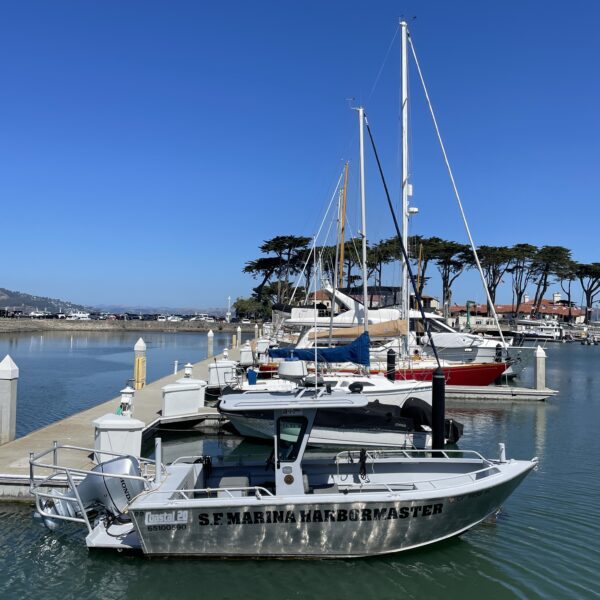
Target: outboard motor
104,494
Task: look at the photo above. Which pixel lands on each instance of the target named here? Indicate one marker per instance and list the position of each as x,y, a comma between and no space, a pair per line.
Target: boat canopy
355,352
385,329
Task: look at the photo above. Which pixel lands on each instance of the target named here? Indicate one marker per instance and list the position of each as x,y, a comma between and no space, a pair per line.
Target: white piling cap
210,333
140,346
539,352
8,368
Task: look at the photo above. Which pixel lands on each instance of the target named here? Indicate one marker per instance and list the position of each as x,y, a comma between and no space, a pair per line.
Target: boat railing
69,476
372,456
410,453
219,460
190,494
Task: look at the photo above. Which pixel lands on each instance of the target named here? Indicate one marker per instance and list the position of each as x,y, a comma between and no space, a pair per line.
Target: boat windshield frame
288,451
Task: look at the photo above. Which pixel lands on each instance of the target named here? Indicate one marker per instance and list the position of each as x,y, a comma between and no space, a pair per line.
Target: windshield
290,431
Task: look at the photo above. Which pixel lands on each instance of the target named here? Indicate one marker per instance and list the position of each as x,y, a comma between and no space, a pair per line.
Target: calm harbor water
544,544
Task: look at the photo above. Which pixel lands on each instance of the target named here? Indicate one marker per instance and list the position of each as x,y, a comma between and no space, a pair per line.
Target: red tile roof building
548,309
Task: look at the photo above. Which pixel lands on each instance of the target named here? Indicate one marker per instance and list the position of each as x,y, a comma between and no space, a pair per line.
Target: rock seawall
26,325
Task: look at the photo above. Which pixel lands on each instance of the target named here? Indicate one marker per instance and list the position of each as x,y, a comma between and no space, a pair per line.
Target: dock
77,430
497,392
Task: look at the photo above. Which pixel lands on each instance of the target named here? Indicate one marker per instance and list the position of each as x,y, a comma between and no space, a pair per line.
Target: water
545,543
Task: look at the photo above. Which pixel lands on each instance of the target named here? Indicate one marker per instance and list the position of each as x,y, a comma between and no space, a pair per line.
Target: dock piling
210,337
9,376
539,374
438,409
139,366
239,336
391,364
175,367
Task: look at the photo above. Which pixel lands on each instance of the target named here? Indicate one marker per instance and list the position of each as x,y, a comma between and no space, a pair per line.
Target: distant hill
28,302
167,310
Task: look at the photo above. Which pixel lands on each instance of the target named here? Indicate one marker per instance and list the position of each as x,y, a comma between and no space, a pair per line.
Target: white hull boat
407,425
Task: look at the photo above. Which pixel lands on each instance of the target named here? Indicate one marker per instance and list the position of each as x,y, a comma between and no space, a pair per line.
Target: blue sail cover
355,352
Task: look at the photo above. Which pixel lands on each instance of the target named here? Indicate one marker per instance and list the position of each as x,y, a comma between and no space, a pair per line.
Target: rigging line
460,206
354,135
324,246
335,191
353,240
385,58
402,246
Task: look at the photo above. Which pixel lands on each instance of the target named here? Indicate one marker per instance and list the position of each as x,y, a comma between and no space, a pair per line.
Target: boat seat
233,482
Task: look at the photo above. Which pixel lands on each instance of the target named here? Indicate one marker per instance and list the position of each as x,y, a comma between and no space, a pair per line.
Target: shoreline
37,325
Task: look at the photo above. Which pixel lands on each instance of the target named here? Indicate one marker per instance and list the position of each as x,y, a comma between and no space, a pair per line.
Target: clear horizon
148,149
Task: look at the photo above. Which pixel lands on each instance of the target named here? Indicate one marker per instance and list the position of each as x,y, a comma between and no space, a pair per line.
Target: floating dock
497,392
77,430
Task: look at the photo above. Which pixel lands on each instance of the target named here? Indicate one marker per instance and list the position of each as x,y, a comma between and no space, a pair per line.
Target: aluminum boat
350,504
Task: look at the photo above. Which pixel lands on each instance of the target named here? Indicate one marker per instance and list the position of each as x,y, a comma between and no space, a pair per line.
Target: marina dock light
127,394
188,370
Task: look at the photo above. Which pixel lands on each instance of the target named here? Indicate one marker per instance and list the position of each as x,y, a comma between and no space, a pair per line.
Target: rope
460,206
385,58
312,249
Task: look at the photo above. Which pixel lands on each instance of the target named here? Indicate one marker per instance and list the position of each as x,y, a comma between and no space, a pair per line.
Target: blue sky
148,148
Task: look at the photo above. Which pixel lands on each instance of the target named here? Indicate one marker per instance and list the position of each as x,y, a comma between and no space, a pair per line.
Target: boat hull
464,374
316,528
251,426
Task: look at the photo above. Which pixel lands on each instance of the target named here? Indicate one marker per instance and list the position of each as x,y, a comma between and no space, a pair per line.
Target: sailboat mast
343,228
335,269
405,184
363,211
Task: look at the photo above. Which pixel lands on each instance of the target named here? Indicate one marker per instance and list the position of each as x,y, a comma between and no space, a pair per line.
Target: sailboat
413,363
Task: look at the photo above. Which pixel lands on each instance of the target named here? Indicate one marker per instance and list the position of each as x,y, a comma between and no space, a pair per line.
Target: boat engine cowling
104,494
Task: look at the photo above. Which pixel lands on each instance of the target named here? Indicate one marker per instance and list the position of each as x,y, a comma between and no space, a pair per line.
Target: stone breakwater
28,325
